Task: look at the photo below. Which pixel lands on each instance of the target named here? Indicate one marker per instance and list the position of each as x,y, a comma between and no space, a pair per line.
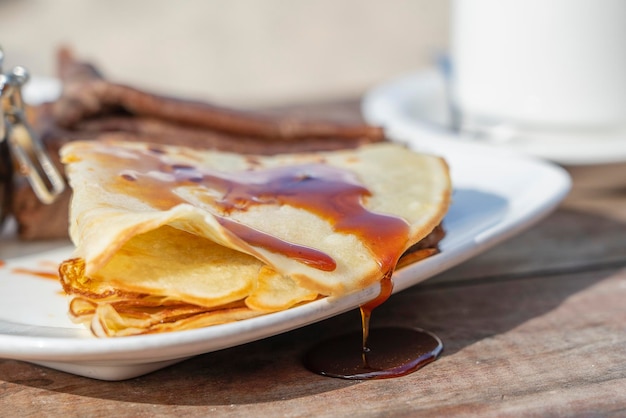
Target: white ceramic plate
495,196
416,104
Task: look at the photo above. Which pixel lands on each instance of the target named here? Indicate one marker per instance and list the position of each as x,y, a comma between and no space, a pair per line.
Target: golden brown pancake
170,238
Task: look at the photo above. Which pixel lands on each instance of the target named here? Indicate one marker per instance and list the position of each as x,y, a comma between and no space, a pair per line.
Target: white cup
540,64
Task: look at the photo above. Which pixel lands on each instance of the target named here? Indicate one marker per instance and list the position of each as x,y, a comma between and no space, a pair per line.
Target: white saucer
40,89
417,104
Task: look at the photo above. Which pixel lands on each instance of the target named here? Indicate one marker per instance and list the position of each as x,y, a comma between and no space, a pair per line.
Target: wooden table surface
533,327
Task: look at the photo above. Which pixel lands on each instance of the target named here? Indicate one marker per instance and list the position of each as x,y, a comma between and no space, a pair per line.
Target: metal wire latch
25,146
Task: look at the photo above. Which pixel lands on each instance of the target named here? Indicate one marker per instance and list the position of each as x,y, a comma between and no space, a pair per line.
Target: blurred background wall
239,52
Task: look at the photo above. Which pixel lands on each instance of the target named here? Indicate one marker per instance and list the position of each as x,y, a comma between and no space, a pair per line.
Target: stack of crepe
168,238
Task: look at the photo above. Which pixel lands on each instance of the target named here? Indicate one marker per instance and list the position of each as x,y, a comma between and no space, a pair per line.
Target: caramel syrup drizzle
330,192
37,273
386,288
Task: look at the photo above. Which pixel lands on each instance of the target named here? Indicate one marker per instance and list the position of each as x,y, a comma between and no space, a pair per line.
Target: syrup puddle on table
379,353
390,352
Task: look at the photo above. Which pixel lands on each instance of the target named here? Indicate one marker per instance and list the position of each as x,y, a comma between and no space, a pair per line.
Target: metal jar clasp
25,146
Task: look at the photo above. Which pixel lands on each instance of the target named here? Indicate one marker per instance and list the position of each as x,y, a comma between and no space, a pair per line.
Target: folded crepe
170,238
